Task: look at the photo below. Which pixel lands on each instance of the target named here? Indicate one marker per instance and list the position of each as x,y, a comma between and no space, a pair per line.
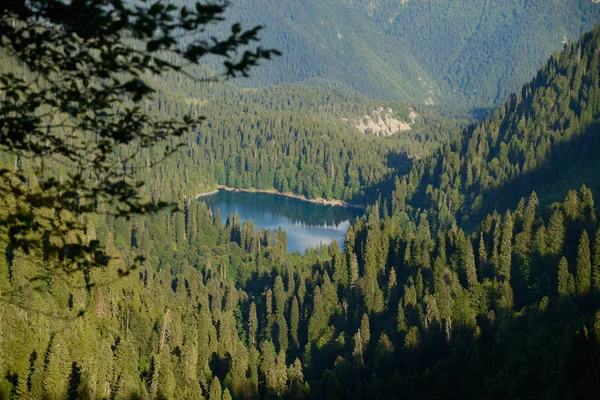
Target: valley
401,205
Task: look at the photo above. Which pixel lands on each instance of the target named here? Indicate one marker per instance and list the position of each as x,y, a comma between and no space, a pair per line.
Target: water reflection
306,224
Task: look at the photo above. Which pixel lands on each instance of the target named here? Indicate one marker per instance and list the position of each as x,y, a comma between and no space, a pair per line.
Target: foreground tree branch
76,103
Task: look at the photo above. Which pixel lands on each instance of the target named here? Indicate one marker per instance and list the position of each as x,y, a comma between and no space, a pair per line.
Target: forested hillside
480,50
329,44
473,52
539,137
414,305
291,138
222,312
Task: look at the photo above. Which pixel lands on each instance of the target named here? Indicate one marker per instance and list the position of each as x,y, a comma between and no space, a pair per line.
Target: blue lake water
306,224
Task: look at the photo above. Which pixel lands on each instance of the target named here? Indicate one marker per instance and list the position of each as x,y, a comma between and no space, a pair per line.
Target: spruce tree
530,213
584,265
401,324
318,320
506,248
384,356
564,278
252,325
596,264
56,375
269,314
282,333
471,271
556,233
482,252
279,295
340,269
571,205
365,332
215,392
295,321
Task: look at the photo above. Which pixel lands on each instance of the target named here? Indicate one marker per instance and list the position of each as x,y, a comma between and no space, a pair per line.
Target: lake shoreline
320,200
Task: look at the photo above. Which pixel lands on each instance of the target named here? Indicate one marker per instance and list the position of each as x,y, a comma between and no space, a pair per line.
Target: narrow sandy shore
320,200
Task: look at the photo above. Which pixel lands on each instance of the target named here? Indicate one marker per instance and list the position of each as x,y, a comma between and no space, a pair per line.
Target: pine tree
584,265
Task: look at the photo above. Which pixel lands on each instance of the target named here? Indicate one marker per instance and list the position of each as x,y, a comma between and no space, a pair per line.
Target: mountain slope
327,43
483,50
220,311
471,52
531,141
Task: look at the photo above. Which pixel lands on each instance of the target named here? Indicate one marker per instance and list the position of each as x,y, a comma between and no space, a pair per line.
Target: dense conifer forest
474,273
474,52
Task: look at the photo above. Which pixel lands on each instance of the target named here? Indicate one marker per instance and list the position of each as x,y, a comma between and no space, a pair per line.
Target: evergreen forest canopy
470,52
475,272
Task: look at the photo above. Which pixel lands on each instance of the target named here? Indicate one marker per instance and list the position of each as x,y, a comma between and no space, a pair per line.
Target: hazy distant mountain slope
481,49
472,51
330,43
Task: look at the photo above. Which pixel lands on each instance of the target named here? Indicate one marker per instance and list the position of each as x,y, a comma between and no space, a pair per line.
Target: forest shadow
568,167
401,164
501,356
496,356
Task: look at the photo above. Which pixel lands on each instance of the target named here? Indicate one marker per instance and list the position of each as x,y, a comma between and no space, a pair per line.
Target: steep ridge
531,140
